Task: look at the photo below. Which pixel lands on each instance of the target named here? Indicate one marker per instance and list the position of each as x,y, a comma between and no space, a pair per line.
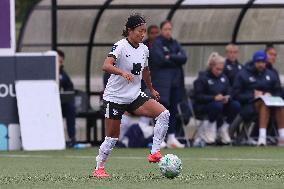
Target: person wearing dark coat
68,108
213,98
253,82
232,65
152,33
167,59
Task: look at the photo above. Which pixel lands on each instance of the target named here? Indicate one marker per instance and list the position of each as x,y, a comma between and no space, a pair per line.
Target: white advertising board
40,115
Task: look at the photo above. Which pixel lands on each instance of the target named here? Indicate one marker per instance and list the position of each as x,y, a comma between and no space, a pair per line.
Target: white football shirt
132,60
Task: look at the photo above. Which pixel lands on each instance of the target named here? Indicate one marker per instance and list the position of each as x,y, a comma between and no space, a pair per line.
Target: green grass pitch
210,167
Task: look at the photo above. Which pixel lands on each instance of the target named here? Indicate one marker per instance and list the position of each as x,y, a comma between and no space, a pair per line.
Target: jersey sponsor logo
210,82
267,78
114,112
166,49
113,48
252,79
229,67
136,68
143,94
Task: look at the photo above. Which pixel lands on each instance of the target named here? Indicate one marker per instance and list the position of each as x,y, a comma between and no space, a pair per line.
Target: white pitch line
208,159
24,156
238,159
135,158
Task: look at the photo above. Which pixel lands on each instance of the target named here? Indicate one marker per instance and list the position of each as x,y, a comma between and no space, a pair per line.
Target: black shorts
115,111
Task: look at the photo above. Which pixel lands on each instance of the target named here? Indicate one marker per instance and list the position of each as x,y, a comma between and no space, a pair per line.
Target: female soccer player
128,64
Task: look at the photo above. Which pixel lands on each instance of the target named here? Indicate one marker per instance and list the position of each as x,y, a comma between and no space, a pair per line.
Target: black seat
84,110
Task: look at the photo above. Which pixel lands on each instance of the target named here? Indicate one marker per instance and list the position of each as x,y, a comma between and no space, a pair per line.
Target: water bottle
82,145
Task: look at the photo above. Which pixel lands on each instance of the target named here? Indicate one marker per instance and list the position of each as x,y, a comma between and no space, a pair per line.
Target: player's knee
164,117
166,113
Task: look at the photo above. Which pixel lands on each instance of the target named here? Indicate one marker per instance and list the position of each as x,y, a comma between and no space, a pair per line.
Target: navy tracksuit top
231,70
207,86
250,79
65,82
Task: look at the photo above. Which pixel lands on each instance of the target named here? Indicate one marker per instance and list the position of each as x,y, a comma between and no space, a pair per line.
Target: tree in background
22,7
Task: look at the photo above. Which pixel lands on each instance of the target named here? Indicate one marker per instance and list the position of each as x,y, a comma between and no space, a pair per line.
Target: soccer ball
170,166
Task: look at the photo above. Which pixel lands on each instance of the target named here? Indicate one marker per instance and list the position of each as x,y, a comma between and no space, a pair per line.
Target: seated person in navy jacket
253,81
68,108
232,65
213,98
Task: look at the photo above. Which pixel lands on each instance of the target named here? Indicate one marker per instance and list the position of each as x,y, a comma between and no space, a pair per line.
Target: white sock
171,136
262,133
104,151
281,132
205,122
225,125
210,124
160,130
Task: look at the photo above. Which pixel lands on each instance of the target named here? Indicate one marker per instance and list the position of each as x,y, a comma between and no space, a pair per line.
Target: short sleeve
115,51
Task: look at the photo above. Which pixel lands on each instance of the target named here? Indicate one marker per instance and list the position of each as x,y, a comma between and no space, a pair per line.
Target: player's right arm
110,68
110,62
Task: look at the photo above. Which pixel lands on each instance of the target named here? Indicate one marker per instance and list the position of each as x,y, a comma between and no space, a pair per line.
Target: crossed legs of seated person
264,113
149,108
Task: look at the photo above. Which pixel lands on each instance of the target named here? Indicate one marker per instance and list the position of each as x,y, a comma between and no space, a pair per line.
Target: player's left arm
147,80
